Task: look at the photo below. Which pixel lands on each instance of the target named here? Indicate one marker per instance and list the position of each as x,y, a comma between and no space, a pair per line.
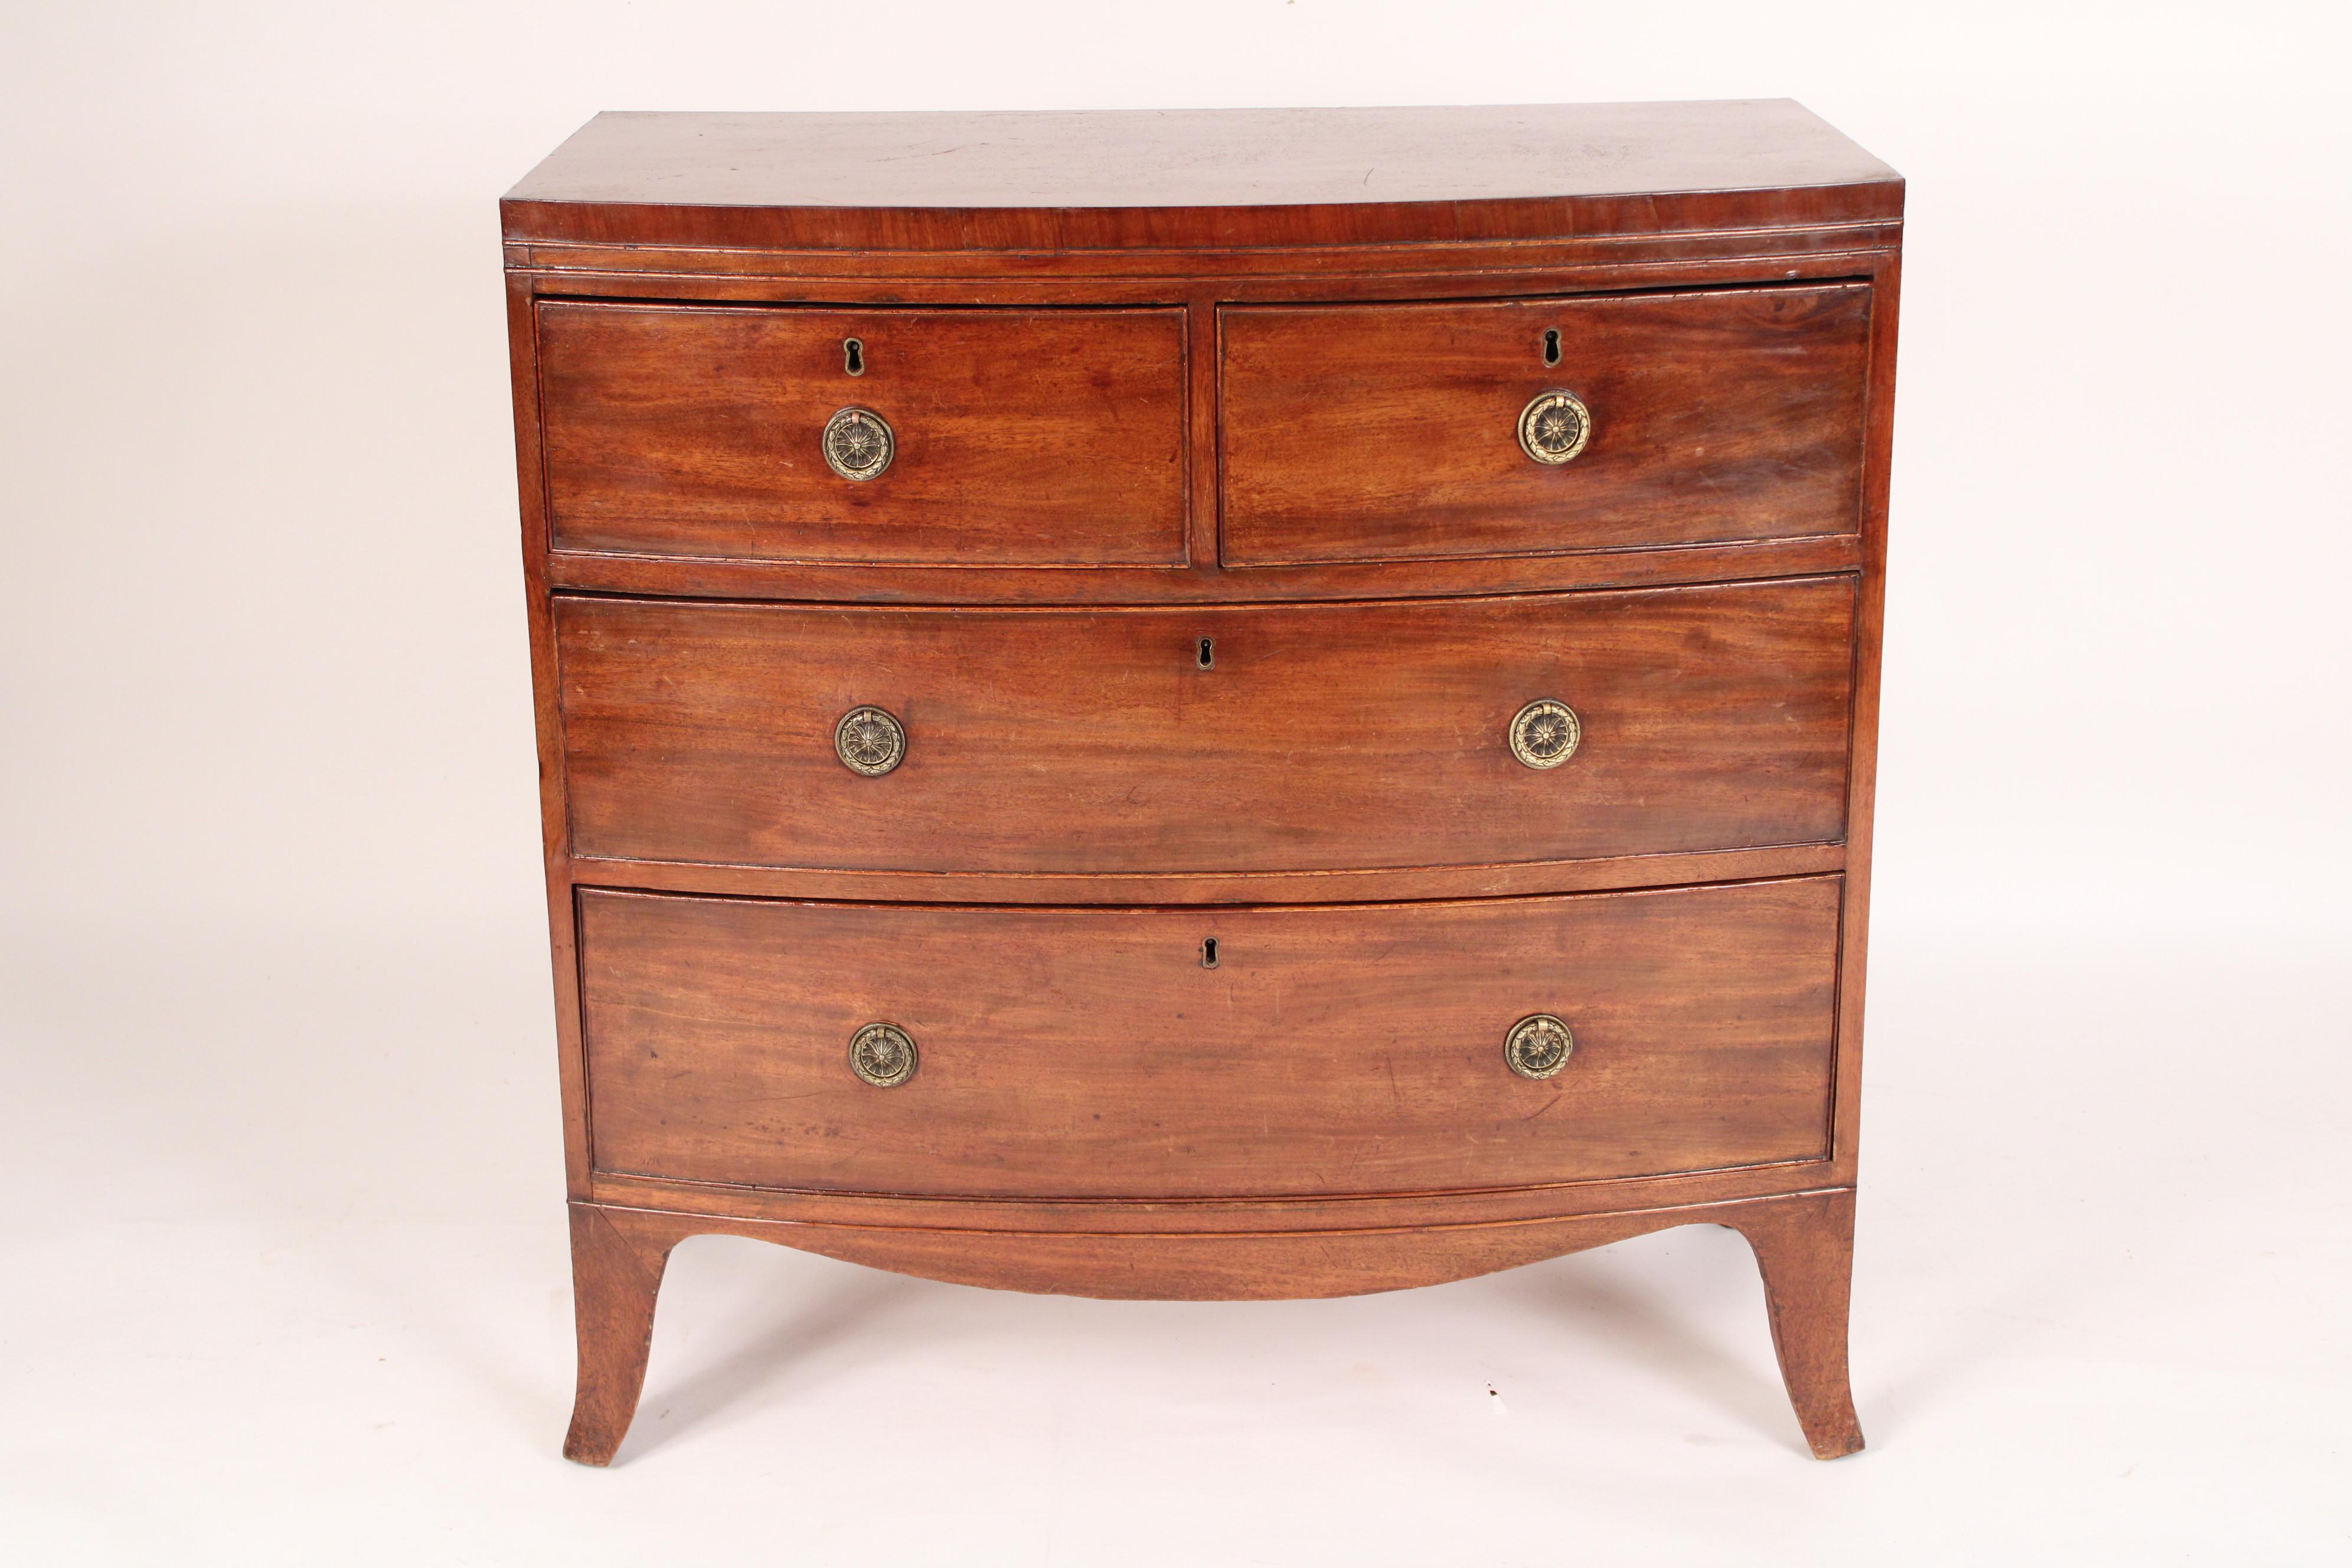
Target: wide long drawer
1096,1053
1226,740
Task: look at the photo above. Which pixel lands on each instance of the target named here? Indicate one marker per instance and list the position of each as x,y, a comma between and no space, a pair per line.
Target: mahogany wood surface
1838,248
1203,582
1347,884
555,836
1317,737
1333,1049
1862,781
1802,1242
1132,360
1313,1212
1805,1251
1371,432
1196,177
615,1281
1023,438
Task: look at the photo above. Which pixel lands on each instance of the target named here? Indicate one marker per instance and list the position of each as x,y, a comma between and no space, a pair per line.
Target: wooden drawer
1022,437
1389,431
1340,1050
1317,737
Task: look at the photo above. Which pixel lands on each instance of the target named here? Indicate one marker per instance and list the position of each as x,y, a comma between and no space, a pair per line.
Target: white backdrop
284,1252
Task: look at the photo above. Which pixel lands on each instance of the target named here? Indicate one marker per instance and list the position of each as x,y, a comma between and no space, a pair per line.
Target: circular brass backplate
883,1054
1538,1046
869,741
1554,427
858,443
1545,733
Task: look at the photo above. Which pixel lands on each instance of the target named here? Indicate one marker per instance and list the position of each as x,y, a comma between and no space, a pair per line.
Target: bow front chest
1227,704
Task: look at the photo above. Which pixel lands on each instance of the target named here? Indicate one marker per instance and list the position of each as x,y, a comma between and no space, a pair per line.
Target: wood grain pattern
1805,1251
1388,432
1303,275
1375,620
1801,1242
1024,437
1203,582
1337,1050
1606,873
1166,1215
1861,785
1322,737
614,1282
1837,248
1201,177
555,835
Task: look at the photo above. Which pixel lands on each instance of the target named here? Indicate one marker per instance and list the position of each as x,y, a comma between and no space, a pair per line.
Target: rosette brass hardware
1537,1046
1545,733
1554,427
869,741
883,1054
858,443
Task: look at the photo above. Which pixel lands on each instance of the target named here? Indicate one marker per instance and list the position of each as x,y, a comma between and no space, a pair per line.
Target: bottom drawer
1095,1053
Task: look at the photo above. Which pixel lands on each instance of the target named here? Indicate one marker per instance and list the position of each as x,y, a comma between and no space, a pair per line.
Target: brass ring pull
1545,733
1538,1046
883,1054
869,741
858,443
1554,427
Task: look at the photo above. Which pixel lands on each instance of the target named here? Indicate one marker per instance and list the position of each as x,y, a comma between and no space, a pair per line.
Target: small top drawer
987,437
1393,431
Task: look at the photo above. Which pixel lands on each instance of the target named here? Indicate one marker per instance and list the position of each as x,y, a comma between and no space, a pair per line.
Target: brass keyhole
1208,653
1552,346
853,355
1209,952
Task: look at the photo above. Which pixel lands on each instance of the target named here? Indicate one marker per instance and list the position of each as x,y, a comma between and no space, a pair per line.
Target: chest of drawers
1207,705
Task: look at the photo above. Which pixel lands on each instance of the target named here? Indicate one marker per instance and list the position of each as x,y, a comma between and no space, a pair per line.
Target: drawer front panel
1018,438
1317,737
1390,432
1347,1048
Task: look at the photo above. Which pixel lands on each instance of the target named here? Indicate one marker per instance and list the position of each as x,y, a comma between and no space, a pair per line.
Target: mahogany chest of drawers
1235,704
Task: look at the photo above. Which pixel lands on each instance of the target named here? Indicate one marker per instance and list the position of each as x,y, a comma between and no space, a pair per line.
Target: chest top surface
1207,177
